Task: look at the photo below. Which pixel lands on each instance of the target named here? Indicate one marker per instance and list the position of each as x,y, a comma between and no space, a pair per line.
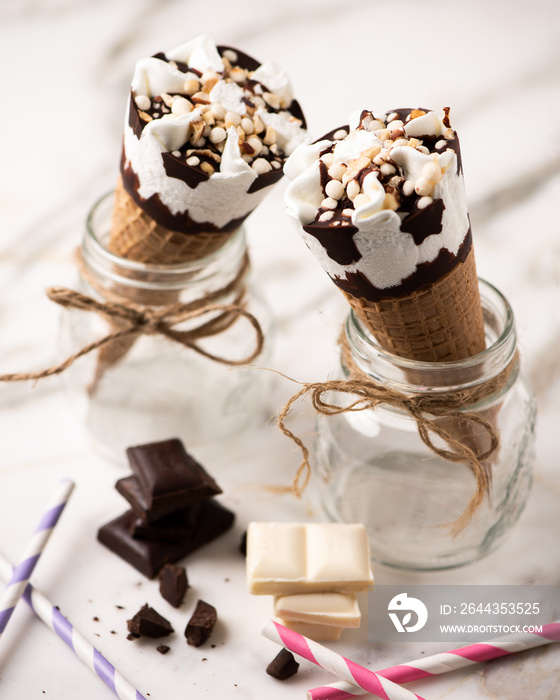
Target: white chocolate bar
335,609
319,633
287,558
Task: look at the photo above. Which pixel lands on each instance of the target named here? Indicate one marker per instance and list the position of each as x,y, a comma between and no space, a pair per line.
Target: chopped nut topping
210,121
344,179
423,202
261,166
143,102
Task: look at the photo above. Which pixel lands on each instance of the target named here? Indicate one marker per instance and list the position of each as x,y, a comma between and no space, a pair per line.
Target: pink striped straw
337,664
436,664
22,572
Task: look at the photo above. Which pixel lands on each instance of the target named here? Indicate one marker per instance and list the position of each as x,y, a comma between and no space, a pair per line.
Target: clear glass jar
375,469
152,388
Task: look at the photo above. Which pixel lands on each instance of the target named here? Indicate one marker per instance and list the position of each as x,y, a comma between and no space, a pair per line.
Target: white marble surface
66,66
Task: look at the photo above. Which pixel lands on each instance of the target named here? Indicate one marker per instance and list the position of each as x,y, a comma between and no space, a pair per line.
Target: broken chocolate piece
149,556
175,527
163,648
201,624
243,544
173,584
168,475
130,489
283,665
149,623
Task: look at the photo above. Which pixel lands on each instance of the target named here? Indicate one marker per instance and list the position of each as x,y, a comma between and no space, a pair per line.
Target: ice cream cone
381,204
135,235
439,322
206,134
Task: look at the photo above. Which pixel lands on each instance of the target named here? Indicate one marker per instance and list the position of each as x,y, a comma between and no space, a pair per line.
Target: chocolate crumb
201,624
163,648
96,619
283,665
149,623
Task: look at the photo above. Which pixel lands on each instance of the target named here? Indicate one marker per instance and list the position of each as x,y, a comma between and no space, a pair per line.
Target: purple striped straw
22,572
91,657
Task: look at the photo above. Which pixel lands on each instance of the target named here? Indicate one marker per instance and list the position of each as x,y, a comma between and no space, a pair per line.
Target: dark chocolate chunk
167,474
201,624
163,648
173,584
130,489
283,665
175,527
149,556
243,544
149,623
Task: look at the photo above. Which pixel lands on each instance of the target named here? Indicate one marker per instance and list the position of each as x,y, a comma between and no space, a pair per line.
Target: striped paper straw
446,661
22,572
93,659
337,664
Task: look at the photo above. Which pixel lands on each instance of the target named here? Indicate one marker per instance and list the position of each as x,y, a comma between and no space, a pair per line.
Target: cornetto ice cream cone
206,134
382,206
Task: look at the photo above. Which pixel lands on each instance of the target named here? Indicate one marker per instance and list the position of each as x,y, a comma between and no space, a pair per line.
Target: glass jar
375,469
147,387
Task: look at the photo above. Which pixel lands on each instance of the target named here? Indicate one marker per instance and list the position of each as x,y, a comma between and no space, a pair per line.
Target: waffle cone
440,322
136,236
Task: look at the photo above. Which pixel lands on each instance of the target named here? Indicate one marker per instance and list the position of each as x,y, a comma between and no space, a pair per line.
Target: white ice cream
388,255
223,197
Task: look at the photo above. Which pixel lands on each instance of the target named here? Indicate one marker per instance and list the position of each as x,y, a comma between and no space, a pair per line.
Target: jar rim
135,266
106,266
440,375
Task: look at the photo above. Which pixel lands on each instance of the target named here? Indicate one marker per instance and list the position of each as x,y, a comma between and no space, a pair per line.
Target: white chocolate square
319,633
275,554
287,558
337,551
336,609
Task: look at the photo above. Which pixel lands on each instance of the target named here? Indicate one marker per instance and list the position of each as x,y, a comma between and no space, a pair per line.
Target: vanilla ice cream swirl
382,202
208,130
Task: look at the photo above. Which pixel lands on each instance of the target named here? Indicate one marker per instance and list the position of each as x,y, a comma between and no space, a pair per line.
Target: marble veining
67,66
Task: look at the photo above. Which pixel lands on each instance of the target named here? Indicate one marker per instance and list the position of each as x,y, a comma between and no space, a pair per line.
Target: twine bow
135,320
442,415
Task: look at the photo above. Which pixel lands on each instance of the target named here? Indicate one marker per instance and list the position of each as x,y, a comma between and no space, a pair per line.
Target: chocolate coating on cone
135,235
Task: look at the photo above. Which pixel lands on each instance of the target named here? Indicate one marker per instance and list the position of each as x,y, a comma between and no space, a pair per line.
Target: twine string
131,320
427,410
